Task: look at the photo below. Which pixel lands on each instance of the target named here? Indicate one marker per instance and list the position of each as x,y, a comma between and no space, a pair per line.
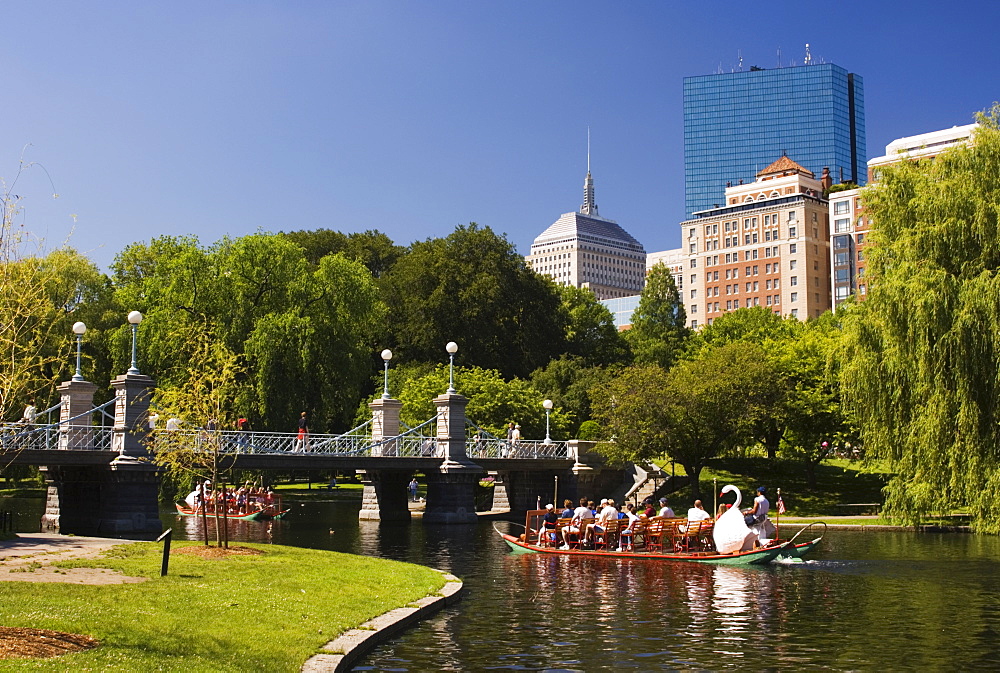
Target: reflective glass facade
736,124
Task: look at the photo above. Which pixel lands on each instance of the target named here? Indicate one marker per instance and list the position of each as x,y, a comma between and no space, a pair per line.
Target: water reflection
868,601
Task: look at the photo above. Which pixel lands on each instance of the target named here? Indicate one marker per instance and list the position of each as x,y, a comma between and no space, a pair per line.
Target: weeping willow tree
922,353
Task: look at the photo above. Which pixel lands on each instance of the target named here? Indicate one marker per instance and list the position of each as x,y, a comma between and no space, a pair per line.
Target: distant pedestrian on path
413,489
301,439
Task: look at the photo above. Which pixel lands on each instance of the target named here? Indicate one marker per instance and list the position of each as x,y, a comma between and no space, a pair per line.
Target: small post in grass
166,550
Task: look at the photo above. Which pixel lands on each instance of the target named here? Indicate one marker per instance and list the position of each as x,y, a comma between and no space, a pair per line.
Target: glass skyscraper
737,123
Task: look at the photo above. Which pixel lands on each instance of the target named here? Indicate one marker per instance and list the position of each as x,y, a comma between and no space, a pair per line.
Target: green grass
267,613
837,482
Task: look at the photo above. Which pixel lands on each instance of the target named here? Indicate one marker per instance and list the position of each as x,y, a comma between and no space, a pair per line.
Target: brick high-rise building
767,245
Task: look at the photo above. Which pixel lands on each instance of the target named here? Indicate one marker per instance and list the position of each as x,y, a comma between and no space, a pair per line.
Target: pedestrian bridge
104,480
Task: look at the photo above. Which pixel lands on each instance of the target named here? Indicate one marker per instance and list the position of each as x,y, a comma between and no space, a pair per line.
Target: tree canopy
658,330
305,334
473,288
922,352
691,413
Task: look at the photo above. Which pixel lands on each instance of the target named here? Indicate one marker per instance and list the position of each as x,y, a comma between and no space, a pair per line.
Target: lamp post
79,329
386,356
452,348
134,318
548,409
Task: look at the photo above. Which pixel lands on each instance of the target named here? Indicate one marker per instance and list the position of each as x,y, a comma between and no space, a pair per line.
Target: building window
842,225
861,239
694,278
841,207
694,309
792,232
693,248
792,263
694,293
794,297
691,233
694,264
793,248
795,313
791,216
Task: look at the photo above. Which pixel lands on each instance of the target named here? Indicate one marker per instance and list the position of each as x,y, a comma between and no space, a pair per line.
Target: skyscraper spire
589,206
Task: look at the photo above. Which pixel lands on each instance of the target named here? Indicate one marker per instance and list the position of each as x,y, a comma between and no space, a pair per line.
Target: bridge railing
483,444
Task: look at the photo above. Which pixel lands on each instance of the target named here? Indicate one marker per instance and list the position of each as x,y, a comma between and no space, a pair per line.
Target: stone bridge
102,479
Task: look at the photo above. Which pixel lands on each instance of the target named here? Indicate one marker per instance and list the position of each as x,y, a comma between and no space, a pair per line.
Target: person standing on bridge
300,440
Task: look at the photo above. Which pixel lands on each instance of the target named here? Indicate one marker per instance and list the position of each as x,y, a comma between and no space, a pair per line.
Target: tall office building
736,123
766,245
583,249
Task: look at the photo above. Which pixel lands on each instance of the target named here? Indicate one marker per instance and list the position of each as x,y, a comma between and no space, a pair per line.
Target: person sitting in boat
722,510
627,534
549,521
758,512
698,513
567,512
607,513
648,510
581,518
665,510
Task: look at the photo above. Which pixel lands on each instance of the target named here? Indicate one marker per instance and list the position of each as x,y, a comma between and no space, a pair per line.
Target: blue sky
413,117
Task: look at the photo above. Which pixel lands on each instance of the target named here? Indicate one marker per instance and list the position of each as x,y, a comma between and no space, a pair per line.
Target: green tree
567,381
922,351
763,327
493,402
304,334
473,288
591,333
692,413
205,402
372,248
658,330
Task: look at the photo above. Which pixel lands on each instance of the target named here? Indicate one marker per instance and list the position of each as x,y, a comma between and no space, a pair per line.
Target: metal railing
481,443
64,435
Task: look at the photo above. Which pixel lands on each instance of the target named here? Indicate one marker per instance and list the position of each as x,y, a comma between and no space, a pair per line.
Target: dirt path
28,558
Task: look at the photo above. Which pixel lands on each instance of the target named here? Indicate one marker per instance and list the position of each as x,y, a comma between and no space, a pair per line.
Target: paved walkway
29,558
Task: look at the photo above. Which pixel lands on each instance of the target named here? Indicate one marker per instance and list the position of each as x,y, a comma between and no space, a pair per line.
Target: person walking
302,437
413,489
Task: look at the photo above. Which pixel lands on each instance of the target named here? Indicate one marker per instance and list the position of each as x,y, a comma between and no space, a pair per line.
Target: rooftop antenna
779,56
588,149
809,58
739,53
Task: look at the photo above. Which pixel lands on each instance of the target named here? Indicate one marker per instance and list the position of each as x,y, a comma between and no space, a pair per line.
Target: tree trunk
694,472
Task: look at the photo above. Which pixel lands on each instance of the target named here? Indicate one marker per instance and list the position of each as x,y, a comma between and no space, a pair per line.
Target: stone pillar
385,423
76,398
500,500
385,496
132,393
102,501
451,494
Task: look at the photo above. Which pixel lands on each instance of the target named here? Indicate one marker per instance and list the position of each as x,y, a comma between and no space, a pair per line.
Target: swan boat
269,512
758,556
732,541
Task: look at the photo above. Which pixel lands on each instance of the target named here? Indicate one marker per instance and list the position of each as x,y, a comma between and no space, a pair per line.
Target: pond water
866,600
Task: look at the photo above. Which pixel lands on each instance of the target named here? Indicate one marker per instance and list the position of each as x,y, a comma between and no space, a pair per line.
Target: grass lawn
265,613
837,482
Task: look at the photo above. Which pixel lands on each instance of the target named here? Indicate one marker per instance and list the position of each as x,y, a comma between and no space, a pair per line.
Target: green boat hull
753,557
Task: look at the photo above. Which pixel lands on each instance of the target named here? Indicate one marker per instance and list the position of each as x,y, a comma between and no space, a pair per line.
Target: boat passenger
665,510
698,513
607,513
627,534
567,512
722,510
548,528
581,517
648,510
758,512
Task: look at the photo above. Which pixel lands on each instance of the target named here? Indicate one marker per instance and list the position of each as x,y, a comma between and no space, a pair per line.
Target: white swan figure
730,532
